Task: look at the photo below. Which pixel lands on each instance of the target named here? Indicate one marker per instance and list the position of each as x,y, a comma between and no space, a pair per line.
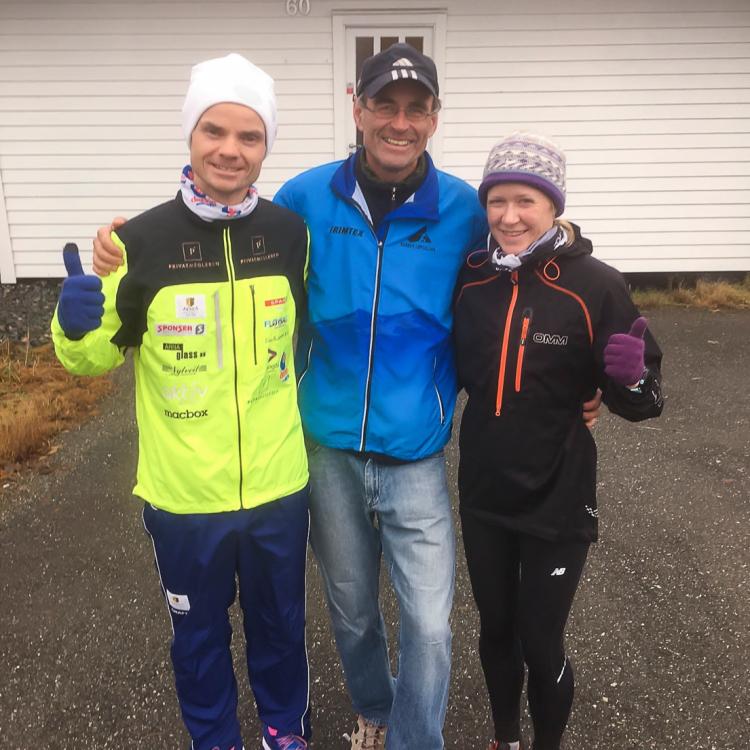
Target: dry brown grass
712,295
38,399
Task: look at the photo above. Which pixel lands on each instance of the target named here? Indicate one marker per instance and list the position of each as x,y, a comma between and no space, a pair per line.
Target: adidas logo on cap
397,62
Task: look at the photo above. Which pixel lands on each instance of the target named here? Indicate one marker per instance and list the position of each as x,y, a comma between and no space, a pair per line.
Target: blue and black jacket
375,356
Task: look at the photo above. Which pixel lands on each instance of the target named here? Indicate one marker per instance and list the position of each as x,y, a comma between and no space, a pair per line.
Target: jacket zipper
437,392
522,346
371,353
255,334
230,272
504,350
307,364
373,321
219,342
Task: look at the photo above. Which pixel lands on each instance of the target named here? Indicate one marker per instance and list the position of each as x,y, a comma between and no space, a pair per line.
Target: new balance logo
558,572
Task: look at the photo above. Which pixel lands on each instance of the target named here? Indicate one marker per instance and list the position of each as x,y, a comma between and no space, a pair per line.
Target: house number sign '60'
298,7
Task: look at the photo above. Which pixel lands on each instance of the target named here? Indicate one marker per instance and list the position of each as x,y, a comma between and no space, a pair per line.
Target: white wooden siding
651,106
90,97
651,102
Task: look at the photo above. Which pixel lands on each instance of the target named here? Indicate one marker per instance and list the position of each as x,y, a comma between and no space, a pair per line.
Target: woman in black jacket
539,325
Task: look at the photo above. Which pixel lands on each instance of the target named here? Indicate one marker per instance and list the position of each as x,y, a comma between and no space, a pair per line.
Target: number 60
295,7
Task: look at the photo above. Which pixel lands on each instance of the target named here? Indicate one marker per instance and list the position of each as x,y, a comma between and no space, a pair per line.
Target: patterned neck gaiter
503,262
207,208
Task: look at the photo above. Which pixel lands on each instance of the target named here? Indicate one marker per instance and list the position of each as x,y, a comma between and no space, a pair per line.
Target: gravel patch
26,309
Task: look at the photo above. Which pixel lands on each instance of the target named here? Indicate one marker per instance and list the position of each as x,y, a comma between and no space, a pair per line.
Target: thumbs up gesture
81,304
623,355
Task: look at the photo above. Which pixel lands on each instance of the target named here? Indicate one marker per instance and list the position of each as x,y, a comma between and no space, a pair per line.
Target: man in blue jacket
389,233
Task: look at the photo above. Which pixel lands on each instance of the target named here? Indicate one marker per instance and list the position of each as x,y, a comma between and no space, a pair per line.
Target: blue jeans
361,511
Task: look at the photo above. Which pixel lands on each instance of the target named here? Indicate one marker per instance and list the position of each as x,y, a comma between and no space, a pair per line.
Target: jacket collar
422,205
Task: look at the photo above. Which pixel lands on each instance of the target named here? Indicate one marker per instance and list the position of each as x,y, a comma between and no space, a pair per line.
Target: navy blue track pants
200,559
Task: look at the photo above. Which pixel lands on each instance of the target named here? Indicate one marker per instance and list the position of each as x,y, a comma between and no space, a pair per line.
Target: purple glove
81,304
623,355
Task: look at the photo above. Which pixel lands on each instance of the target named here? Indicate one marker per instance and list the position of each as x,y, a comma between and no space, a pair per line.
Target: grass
711,295
38,399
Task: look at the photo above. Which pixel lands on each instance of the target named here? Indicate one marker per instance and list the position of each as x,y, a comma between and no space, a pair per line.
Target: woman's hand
623,355
592,409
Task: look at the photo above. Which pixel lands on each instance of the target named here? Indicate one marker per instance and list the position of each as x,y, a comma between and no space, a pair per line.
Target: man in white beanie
208,295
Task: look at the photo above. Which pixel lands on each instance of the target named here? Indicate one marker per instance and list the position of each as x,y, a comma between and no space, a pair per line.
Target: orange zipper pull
504,350
527,315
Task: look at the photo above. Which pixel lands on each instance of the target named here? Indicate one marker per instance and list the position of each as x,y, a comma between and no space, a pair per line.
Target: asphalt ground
659,635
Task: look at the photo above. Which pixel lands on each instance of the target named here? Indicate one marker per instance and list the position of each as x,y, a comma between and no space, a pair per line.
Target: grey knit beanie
529,159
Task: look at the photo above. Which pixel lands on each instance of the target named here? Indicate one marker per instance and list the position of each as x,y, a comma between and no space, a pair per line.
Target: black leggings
524,589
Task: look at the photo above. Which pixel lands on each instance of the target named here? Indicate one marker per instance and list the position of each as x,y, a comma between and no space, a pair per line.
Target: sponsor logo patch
420,240
189,355
188,393
348,231
283,369
550,338
258,244
276,322
186,414
179,370
193,265
180,353
180,329
190,306
275,301
191,252
178,602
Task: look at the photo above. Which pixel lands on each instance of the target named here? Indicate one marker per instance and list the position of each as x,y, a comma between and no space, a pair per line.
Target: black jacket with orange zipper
529,348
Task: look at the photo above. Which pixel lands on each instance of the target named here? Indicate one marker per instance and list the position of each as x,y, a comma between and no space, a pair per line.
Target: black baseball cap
399,62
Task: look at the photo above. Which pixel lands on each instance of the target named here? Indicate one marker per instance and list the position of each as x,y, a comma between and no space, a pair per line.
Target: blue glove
81,304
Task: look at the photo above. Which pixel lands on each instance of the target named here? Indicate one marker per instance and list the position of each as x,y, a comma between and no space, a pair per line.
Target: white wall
652,107
90,95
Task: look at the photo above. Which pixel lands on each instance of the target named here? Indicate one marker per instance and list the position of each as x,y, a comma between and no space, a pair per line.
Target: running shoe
368,735
500,745
272,740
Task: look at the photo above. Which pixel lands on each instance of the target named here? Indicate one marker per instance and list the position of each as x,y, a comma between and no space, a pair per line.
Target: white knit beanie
230,79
